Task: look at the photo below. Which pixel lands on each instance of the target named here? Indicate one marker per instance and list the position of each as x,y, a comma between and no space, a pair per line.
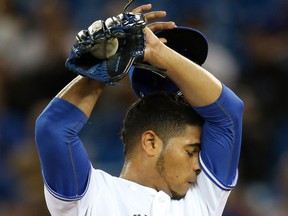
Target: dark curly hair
167,114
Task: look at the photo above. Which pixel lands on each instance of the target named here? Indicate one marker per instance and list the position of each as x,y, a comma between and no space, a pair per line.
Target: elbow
46,130
233,103
237,114
239,105
56,123
42,124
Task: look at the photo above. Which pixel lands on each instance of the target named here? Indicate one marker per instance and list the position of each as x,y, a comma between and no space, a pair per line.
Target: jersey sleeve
221,139
64,161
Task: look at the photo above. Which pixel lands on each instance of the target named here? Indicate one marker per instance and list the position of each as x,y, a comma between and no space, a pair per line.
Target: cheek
177,166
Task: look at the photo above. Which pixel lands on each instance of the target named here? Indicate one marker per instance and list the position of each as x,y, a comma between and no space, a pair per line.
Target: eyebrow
193,145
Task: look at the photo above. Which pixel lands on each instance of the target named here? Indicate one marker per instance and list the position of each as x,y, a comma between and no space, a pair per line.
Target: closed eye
190,154
193,149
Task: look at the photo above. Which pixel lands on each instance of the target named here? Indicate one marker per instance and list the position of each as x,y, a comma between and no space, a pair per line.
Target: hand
156,26
152,40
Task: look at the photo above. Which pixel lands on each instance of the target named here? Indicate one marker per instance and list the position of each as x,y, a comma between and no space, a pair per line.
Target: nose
196,167
198,171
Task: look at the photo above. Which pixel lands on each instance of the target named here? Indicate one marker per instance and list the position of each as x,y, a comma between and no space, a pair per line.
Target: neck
140,174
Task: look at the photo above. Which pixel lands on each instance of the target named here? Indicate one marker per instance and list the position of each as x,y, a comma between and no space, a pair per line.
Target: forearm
198,85
83,93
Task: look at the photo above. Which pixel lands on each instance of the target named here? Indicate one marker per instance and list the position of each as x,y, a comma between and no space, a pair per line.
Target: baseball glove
127,29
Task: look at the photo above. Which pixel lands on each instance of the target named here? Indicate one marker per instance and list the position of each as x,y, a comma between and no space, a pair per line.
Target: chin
177,196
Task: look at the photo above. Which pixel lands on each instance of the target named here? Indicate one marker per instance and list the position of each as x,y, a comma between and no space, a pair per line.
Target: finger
161,26
142,8
155,14
163,40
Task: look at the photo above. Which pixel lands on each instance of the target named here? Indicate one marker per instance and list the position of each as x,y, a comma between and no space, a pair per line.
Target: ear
151,143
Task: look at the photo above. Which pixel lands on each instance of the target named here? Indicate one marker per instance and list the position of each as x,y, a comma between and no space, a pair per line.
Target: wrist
153,53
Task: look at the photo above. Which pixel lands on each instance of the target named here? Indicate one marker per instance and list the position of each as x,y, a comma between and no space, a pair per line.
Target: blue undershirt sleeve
221,139
64,160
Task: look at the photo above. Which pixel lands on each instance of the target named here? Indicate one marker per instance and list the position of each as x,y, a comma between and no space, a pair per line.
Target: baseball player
181,137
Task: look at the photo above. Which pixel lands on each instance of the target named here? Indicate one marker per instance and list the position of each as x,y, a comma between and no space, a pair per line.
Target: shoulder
207,197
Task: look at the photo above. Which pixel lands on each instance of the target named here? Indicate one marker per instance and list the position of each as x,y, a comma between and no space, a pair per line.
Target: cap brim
188,42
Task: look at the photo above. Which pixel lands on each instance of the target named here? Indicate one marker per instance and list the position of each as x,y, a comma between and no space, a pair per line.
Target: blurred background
248,51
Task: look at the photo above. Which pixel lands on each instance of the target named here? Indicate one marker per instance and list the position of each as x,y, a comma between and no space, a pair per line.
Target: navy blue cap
189,42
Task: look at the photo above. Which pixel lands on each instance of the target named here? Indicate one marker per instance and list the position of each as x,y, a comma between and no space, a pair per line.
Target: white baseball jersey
109,196
66,167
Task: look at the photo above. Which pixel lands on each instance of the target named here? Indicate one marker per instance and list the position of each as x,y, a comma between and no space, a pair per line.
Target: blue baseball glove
126,36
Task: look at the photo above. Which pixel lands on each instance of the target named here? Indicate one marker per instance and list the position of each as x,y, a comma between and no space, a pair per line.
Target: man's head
166,128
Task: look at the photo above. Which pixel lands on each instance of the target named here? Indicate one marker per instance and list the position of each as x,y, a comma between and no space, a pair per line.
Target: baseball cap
189,42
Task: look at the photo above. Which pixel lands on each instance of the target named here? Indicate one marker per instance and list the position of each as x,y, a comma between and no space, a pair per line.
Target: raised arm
64,161
217,104
198,85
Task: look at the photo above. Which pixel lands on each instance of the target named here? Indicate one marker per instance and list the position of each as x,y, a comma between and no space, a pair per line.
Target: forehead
192,131
190,137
